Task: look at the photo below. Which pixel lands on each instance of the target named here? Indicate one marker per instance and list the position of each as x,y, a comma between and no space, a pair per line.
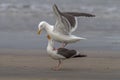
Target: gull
66,23
61,53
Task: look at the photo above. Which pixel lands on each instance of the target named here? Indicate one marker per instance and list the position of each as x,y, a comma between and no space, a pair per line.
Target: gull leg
54,47
64,44
58,67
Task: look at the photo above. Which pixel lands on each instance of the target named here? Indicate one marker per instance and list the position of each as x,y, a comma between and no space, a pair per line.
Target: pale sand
29,66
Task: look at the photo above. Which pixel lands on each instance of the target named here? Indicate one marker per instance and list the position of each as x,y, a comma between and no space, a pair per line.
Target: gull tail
78,54
82,38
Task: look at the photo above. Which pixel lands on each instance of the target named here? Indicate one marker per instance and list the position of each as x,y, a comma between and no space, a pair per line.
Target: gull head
41,26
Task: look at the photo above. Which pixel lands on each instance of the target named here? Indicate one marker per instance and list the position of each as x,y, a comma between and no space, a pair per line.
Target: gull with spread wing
66,23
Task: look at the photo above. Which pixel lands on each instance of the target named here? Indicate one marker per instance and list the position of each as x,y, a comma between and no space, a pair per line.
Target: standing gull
66,23
61,53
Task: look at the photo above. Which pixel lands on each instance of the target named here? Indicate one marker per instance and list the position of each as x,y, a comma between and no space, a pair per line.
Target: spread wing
66,22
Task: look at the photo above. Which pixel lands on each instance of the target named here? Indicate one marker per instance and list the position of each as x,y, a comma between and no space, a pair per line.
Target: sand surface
38,67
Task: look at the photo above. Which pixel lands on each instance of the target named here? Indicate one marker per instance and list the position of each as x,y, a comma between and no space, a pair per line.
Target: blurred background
19,21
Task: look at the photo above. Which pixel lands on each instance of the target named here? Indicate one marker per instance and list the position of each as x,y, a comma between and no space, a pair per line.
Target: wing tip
92,15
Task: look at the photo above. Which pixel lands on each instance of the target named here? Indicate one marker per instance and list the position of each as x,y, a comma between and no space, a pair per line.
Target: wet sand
30,65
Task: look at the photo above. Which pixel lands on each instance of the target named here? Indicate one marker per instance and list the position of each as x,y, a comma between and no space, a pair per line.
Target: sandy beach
30,65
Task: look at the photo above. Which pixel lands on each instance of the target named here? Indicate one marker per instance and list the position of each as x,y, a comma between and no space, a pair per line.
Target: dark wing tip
55,9
81,55
78,14
54,6
87,15
91,15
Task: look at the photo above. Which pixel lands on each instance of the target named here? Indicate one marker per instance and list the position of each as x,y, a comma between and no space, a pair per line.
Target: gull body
61,53
57,36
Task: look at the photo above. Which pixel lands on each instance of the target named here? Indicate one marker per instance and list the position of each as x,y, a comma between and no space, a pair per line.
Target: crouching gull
66,23
61,53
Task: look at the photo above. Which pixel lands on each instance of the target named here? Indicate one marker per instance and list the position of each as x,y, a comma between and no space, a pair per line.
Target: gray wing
62,25
66,52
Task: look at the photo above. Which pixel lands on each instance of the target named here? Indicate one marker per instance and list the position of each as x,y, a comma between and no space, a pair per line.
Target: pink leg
55,49
64,44
58,67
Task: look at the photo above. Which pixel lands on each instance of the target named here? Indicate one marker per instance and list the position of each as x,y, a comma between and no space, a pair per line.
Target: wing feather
78,14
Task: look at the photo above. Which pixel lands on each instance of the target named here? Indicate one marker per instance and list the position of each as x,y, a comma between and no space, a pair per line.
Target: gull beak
48,36
38,32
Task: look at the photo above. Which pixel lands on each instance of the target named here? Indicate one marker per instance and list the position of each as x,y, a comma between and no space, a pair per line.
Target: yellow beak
39,31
